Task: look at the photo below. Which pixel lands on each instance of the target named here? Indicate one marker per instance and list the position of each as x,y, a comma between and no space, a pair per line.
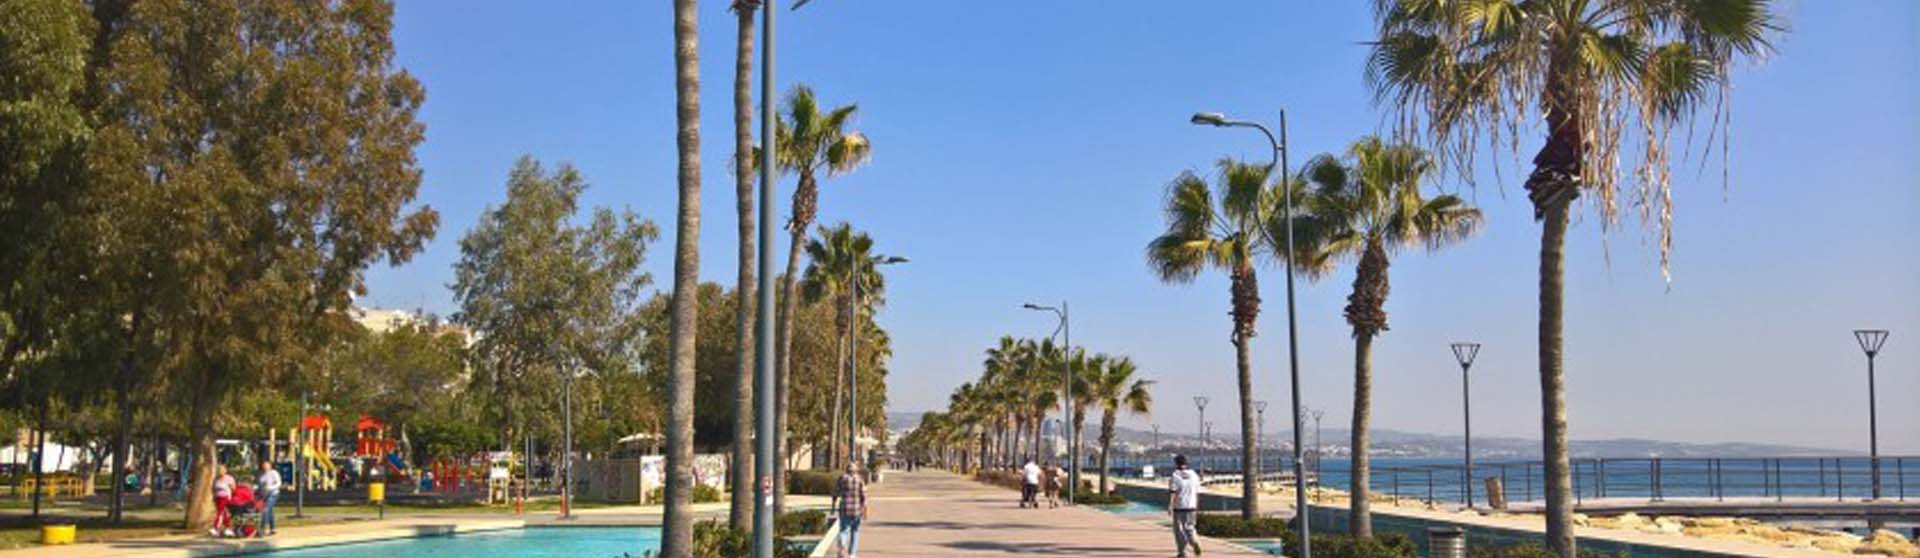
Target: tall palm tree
1591,70
836,259
740,511
808,142
1114,388
1224,233
676,539
1366,211
1085,367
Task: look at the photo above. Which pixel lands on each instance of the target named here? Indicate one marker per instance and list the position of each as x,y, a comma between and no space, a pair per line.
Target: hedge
804,522
812,483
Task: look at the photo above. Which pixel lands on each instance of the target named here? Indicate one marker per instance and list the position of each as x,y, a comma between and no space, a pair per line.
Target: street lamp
1464,352
765,462
1066,365
1201,402
854,303
1259,437
1870,341
1279,145
1317,481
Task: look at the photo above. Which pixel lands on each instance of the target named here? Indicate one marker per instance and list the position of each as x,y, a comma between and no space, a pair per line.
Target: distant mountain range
1396,443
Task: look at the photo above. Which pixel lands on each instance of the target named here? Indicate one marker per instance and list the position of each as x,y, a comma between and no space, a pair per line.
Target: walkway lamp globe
1871,340
1464,352
1279,144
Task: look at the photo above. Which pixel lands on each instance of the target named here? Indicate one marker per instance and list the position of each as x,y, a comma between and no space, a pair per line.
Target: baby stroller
243,512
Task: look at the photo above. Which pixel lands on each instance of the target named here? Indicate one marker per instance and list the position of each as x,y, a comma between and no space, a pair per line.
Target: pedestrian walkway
930,513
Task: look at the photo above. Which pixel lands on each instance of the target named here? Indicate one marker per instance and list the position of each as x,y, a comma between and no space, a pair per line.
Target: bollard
1446,542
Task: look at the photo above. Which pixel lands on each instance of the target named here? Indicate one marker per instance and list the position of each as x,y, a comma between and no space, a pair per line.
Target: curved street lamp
1066,364
1870,341
1464,352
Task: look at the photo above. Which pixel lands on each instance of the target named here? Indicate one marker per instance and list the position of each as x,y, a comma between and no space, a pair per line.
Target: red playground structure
370,440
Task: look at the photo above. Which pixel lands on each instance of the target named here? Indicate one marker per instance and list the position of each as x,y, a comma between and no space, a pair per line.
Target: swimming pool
538,542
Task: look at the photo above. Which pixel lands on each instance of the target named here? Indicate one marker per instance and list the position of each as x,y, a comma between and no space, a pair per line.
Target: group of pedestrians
1036,480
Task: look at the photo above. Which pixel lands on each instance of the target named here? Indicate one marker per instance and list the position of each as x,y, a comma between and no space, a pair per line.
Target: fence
1657,479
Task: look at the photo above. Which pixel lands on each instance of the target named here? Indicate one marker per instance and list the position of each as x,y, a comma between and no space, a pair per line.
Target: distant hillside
1415,444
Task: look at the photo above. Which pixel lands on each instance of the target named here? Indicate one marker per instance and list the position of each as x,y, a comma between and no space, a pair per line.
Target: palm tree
808,142
1367,211
837,257
676,539
1114,388
1084,368
1591,70
740,512
1224,234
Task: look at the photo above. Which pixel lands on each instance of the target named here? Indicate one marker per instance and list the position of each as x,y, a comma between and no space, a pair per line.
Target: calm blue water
538,542
1133,508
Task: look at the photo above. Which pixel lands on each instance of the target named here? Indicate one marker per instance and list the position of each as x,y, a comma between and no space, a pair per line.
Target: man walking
1183,501
1029,484
850,495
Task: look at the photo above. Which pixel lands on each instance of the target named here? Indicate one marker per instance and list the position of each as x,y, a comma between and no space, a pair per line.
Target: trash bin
57,534
1446,542
376,492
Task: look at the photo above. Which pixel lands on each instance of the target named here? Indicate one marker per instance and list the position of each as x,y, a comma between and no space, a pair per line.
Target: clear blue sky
1020,151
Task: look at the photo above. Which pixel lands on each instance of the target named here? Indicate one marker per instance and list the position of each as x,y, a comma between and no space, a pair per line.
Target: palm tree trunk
1106,447
676,538
1359,514
1250,464
740,510
1553,402
837,420
1079,438
784,359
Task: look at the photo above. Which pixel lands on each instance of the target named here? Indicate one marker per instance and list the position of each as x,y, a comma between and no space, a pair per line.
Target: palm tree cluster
997,421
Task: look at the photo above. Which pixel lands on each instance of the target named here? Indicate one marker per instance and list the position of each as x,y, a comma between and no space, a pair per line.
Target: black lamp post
1259,438
1870,341
1066,405
854,305
1279,144
1464,353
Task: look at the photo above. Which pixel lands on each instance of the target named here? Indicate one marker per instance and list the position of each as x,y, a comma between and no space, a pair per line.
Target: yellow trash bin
377,492
57,534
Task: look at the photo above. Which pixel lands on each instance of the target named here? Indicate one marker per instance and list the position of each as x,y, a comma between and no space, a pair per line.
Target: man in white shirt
1183,501
1030,484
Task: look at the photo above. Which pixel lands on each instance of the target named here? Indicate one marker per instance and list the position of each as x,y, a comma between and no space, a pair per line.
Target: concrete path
931,513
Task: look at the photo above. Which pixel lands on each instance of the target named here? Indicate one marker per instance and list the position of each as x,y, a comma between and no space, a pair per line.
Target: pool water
538,542
1132,508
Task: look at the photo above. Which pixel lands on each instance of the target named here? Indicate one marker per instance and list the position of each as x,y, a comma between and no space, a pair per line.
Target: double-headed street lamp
1870,341
854,304
1293,340
1201,402
1464,353
1066,416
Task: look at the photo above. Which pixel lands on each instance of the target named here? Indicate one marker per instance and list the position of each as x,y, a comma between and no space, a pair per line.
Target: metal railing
1657,479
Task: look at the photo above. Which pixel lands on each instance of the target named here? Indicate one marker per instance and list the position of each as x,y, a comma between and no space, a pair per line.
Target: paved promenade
939,514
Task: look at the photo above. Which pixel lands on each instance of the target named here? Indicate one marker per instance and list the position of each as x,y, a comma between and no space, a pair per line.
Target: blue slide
398,465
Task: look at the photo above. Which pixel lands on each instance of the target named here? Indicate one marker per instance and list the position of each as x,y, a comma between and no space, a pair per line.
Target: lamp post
1870,341
300,460
1066,416
1201,402
566,449
1259,437
1464,353
854,304
1156,436
1317,481
1279,145
764,461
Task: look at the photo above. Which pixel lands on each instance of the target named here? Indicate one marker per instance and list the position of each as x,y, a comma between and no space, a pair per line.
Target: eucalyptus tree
250,160
809,142
1224,232
1116,388
1592,71
676,537
1365,209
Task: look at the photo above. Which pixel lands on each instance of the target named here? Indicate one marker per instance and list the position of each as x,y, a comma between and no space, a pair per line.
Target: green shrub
701,494
1529,550
1091,498
1382,545
1231,526
713,539
1003,479
804,522
814,483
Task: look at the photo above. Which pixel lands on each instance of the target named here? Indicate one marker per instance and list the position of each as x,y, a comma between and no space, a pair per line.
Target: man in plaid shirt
850,495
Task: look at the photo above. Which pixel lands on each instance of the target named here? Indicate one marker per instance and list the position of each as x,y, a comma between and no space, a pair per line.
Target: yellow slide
322,466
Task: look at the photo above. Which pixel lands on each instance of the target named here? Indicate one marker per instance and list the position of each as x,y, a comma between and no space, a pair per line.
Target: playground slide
396,465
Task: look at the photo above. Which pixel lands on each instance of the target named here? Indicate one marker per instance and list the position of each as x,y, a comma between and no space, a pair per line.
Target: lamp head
1031,306
1464,352
1209,119
889,260
1871,340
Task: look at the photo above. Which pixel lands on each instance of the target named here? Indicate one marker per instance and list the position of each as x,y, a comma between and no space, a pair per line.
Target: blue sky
1020,151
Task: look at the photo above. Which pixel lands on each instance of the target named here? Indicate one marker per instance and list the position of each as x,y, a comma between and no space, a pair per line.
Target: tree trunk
199,494
839,456
676,539
1106,447
1553,402
1079,438
740,512
1249,461
1359,515
784,361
